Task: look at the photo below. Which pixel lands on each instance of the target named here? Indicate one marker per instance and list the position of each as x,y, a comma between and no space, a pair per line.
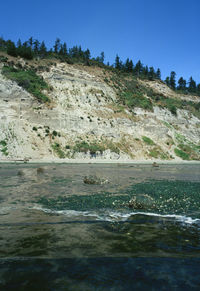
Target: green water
58,233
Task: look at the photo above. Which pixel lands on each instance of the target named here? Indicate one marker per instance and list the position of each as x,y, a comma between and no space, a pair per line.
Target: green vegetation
3,143
154,153
57,149
33,48
133,94
183,155
28,80
136,99
147,140
85,147
4,149
95,147
124,79
54,133
180,197
186,149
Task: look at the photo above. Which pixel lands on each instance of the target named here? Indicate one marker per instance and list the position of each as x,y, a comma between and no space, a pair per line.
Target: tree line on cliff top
32,48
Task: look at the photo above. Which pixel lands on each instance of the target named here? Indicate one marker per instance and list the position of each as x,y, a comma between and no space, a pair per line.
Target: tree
64,48
74,52
61,52
138,68
42,50
145,71
172,80
181,84
102,57
158,74
30,42
25,52
87,54
2,43
11,48
192,85
128,66
36,46
118,63
198,89
151,74
167,82
57,45
19,43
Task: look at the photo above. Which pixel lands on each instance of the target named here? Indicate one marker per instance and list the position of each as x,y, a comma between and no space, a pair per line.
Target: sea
134,227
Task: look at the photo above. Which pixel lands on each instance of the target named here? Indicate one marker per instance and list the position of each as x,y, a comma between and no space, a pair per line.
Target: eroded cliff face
85,120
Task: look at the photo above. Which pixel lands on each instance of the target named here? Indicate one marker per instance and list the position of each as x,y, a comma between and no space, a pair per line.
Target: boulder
142,201
94,180
155,165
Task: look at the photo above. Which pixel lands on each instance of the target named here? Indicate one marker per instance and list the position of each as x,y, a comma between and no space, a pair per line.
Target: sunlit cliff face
85,120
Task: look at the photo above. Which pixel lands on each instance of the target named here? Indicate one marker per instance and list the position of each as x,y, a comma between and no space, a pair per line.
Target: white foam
69,213
5,210
114,216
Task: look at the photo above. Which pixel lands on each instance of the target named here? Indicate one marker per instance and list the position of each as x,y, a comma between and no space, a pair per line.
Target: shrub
147,140
28,80
55,133
3,143
154,153
4,150
136,99
57,149
181,154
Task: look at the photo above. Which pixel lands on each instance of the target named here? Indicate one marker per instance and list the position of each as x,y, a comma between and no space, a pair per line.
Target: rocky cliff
87,118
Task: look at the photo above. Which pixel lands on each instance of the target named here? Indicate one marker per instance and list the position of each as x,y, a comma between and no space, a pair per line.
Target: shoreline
96,161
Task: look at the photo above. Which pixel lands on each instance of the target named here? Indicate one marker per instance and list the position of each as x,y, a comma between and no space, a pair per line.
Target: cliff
95,113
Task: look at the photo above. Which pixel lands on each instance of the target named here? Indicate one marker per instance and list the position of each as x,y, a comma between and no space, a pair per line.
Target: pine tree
2,43
19,43
198,89
172,80
192,85
30,42
57,45
151,74
11,48
158,74
87,54
167,82
145,71
102,57
128,66
64,48
138,68
42,50
118,64
36,46
181,84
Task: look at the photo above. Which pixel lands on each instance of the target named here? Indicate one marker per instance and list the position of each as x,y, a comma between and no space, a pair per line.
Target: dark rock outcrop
142,201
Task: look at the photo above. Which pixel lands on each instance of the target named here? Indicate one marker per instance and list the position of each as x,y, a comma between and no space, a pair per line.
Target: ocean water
58,233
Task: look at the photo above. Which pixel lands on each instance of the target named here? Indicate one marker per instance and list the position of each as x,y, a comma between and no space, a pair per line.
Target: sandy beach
100,161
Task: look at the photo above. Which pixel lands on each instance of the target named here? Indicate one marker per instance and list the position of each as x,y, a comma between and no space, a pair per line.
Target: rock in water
142,201
155,164
94,180
20,173
40,171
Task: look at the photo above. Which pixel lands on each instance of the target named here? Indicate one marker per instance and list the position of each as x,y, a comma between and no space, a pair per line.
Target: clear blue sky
162,33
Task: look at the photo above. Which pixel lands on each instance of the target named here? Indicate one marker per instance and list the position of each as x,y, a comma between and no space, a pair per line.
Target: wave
5,210
116,216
